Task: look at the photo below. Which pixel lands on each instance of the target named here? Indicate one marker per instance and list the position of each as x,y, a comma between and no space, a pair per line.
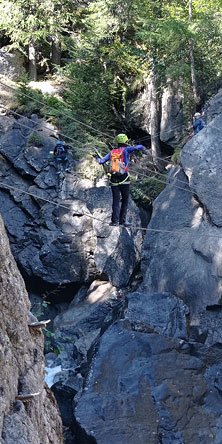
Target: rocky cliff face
58,227
171,115
156,372
28,411
189,256
62,222
139,367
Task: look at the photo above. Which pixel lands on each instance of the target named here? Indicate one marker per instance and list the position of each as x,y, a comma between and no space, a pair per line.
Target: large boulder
184,256
148,384
28,411
213,107
59,225
80,325
12,63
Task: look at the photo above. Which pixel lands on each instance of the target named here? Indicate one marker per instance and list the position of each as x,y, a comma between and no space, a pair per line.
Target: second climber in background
61,156
120,179
198,123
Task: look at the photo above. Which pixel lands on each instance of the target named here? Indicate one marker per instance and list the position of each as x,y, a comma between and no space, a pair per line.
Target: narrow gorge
133,349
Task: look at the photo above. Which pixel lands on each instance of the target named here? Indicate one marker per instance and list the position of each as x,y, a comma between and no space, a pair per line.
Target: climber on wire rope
198,123
61,155
119,177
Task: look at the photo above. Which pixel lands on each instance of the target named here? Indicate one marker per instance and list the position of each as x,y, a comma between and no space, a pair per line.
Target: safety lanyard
119,183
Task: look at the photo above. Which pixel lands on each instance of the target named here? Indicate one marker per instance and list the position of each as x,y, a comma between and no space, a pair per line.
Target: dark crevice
54,293
81,436
214,307
140,136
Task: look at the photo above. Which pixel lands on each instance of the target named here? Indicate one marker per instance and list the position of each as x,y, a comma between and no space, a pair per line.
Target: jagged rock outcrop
76,331
148,383
28,411
155,374
63,224
187,260
213,107
144,369
171,122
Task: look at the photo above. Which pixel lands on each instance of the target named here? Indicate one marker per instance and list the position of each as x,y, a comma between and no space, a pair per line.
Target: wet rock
64,396
79,327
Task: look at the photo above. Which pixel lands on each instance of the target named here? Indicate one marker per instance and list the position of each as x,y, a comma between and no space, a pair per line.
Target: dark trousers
119,213
61,164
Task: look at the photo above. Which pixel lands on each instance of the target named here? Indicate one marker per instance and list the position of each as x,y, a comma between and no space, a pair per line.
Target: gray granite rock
59,225
28,411
149,388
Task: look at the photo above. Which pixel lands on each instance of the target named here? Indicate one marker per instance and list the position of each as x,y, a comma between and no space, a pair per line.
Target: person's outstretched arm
130,149
103,159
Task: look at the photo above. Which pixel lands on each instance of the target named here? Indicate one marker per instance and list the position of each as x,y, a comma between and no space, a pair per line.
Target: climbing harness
120,183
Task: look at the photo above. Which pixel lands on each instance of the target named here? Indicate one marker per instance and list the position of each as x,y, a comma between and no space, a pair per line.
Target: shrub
147,190
176,155
35,139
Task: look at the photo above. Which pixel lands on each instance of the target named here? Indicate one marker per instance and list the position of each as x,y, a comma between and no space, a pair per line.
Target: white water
50,374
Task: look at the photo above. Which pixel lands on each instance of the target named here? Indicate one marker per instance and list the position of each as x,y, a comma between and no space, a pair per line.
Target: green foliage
112,46
25,21
35,139
147,190
28,99
51,341
52,108
176,155
87,92
50,337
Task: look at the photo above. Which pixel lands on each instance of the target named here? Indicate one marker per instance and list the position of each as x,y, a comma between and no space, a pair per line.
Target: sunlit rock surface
185,256
58,225
35,419
171,121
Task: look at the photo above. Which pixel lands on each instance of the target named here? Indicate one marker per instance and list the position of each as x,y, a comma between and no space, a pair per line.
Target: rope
37,130
63,112
69,207
74,140
193,190
76,120
154,230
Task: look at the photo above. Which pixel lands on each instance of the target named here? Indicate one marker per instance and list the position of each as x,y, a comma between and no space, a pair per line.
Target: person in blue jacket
120,184
61,156
198,124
